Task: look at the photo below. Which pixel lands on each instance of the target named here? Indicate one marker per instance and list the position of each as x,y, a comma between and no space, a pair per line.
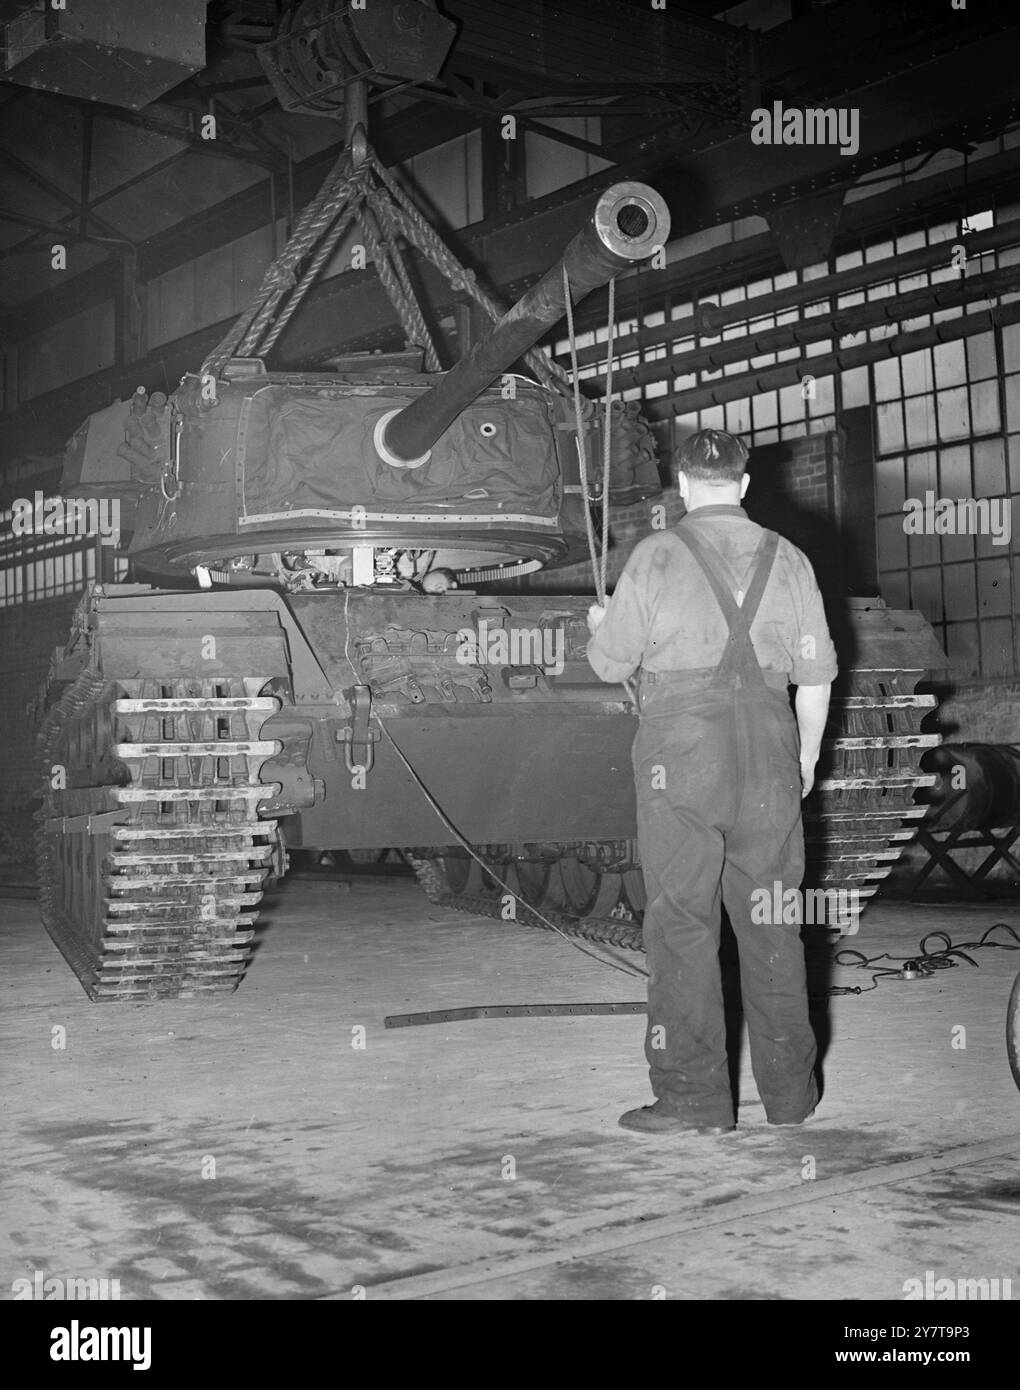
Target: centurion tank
334,662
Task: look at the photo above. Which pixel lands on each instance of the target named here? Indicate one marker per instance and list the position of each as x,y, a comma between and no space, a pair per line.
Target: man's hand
595,615
807,778
812,704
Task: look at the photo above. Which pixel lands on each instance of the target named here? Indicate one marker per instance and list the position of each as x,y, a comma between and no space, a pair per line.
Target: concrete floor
241,1147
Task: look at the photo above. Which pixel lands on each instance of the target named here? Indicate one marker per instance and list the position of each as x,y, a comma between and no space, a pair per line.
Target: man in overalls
720,617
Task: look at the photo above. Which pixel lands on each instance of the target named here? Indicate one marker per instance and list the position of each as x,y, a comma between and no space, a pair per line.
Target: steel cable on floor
925,963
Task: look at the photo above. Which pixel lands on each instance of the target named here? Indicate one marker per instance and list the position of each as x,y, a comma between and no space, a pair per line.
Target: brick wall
28,634
981,712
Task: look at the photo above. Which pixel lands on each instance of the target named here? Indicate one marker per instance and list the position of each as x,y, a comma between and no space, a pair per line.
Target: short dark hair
712,456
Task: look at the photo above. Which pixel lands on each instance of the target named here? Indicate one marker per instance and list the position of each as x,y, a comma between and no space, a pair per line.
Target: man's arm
812,705
619,631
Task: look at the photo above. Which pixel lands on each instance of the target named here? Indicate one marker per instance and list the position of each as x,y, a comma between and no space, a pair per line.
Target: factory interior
321,898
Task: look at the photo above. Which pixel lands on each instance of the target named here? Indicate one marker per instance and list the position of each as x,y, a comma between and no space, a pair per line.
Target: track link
151,856
606,931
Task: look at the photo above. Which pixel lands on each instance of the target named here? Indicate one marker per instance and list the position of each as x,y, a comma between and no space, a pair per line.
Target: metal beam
86,170
56,229
820,328
755,383
55,191
221,147
710,319
406,135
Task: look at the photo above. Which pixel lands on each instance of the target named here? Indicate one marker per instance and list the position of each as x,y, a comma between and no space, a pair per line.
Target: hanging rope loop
599,556
360,191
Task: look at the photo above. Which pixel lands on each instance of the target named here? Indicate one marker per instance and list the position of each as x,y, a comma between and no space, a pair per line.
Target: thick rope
597,570
425,239
345,194
321,257
607,434
392,262
348,191
280,275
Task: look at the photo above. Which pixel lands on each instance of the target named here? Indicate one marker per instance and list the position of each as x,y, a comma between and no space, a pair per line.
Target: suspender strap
739,665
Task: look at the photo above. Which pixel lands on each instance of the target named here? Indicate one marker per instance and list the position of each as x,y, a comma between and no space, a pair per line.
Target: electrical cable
921,965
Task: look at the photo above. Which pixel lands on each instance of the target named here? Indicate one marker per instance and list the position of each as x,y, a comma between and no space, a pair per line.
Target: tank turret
376,472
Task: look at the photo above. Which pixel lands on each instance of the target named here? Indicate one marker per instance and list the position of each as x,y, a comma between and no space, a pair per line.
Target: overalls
717,771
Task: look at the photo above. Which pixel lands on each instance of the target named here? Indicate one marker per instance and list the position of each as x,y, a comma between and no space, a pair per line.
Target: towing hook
359,764
358,737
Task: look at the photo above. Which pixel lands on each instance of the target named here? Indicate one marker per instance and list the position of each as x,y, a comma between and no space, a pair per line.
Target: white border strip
428,517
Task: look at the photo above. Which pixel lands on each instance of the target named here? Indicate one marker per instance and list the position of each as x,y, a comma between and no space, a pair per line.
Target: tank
329,656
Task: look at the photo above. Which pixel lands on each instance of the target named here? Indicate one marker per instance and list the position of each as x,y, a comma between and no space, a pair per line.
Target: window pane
954,414
765,410
962,646
950,363
960,591
1013,403
980,357
855,387
989,468
920,417
738,416
997,647
887,379
924,550
892,543
921,475
993,588
889,491
917,373
1011,347
957,547
896,589
954,471
823,400
984,406
926,593
890,428
791,404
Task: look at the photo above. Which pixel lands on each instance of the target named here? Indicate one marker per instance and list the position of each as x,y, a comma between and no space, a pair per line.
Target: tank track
856,825
624,932
151,856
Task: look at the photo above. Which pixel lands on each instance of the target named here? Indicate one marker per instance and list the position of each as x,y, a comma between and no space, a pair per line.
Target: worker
718,617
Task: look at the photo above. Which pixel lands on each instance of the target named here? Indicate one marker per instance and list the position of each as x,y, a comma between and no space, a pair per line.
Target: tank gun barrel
629,223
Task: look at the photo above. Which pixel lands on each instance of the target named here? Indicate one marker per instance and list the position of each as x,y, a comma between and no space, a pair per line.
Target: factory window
40,566
787,412
942,443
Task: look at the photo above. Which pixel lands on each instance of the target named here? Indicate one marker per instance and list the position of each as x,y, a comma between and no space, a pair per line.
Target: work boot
655,1119
789,1124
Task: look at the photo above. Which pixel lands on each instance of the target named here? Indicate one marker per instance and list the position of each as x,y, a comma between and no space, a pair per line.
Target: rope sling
367,198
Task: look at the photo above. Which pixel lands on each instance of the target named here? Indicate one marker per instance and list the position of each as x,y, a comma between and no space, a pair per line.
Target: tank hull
198,736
